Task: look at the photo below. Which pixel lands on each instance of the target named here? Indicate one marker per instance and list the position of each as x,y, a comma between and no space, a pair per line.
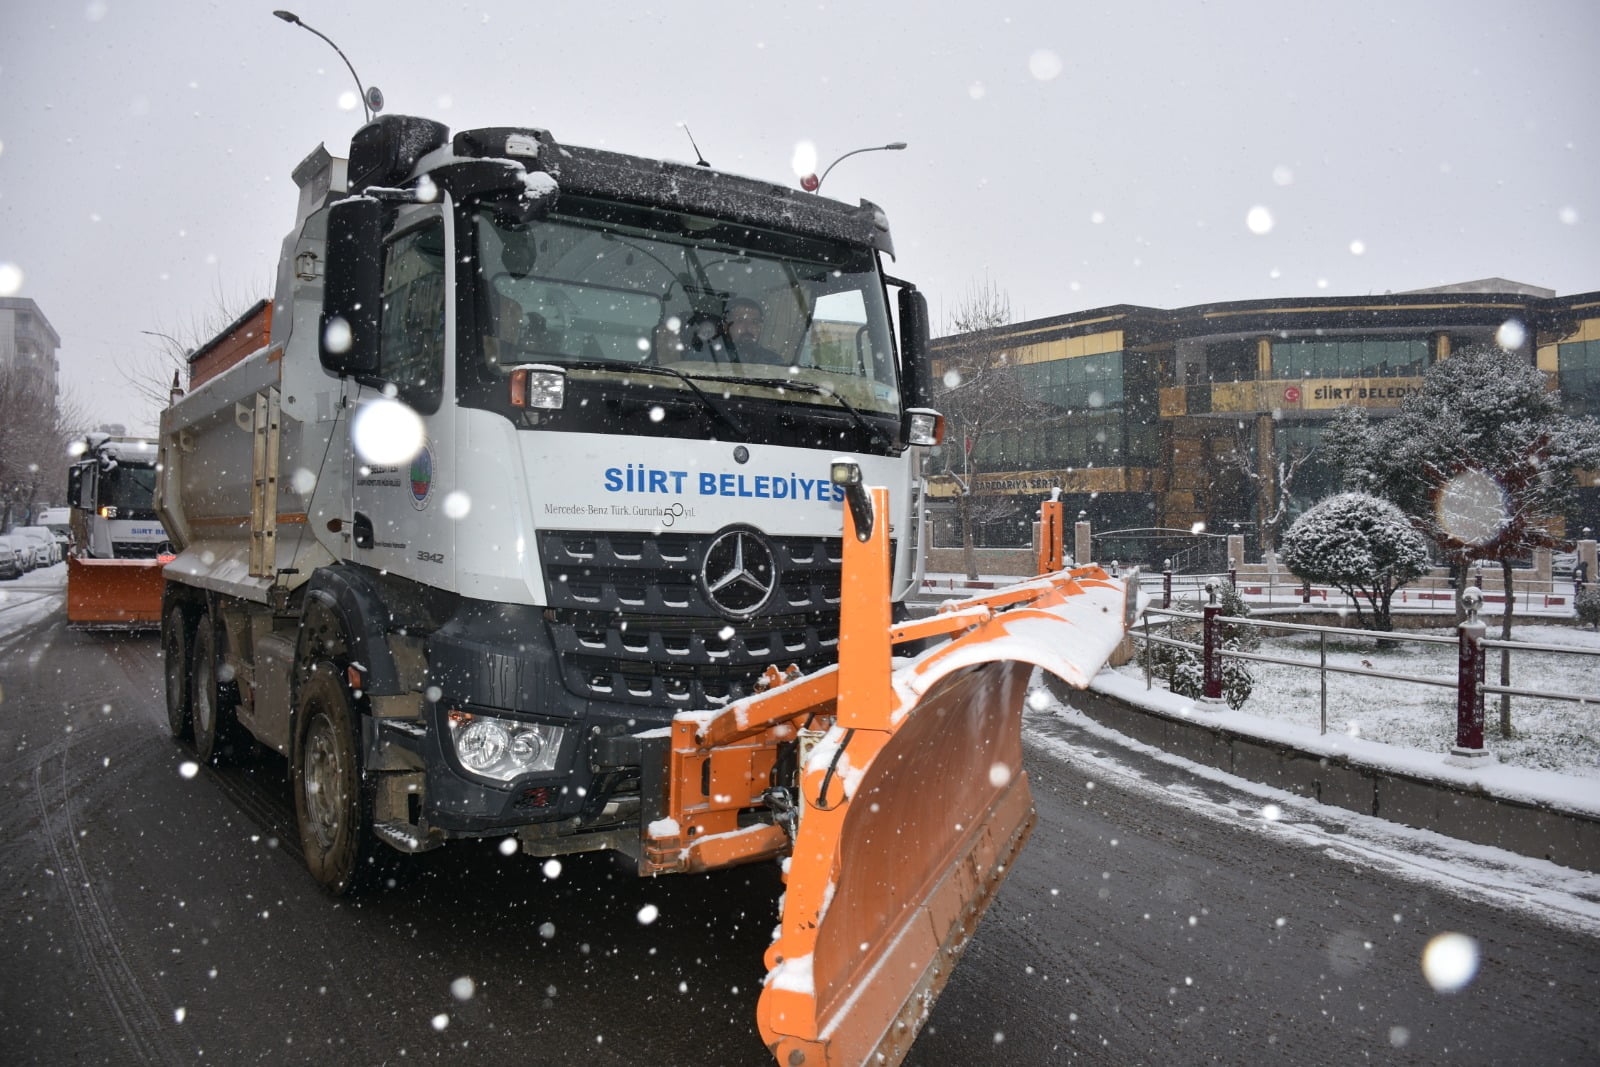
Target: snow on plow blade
912,800
113,594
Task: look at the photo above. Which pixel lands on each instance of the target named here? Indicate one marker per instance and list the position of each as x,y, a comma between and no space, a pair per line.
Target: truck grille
135,550
632,625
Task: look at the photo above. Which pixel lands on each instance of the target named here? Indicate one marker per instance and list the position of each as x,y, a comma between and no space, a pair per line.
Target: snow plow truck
118,544
496,523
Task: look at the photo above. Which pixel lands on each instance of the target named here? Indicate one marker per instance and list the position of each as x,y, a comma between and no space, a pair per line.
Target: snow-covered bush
1187,677
1360,544
1589,605
1184,668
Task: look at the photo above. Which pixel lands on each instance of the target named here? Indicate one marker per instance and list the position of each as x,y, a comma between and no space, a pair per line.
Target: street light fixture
167,337
811,183
371,99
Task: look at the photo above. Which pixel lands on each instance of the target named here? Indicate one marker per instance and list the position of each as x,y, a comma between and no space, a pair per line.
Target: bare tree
981,395
982,307
1272,494
35,425
149,370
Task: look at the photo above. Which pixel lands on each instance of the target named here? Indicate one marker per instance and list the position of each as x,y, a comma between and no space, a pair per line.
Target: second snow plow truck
114,567
514,524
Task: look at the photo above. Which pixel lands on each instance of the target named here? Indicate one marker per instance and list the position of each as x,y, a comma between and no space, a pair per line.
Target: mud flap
113,594
913,809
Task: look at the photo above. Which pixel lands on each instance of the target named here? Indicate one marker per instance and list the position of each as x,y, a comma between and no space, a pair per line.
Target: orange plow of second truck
910,803
113,594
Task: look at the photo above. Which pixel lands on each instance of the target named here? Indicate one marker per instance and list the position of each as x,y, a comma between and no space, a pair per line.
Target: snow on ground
1535,887
1553,755
34,596
1548,735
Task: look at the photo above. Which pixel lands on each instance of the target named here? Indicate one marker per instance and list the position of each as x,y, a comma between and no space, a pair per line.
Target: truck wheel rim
324,782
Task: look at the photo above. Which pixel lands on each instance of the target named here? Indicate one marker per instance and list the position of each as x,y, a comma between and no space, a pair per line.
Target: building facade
28,345
1191,420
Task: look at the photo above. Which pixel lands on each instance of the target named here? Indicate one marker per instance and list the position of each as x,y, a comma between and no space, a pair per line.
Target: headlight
502,749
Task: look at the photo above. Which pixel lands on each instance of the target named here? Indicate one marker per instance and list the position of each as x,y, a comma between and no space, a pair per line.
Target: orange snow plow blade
113,594
912,800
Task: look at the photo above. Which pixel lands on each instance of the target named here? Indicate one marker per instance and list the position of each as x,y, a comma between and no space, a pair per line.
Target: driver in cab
736,339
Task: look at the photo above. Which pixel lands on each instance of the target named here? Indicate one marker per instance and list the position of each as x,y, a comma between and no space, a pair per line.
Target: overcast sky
1077,155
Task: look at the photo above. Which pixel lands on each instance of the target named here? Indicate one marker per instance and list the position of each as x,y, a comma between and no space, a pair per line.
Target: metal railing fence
1469,684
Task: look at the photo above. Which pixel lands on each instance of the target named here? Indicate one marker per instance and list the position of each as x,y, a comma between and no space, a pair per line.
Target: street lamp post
371,99
811,183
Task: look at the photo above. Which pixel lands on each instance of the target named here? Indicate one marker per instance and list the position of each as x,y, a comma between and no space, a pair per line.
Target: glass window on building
1578,376
1081,383
1231,361
1316,478
1361,357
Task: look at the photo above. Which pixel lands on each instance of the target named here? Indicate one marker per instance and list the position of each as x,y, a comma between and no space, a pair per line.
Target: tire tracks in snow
122,995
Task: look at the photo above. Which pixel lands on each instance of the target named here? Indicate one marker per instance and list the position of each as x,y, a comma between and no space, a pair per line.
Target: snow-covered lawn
1549,735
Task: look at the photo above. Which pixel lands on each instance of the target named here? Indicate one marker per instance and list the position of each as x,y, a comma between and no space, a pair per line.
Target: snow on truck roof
395,148
122,449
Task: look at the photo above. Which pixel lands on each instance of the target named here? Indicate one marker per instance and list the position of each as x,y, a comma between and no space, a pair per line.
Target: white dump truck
492,485
573,497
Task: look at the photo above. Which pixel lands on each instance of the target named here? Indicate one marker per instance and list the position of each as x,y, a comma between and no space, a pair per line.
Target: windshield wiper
818,390
641,368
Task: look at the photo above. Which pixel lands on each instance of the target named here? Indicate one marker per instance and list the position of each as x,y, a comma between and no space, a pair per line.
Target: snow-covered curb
1520,785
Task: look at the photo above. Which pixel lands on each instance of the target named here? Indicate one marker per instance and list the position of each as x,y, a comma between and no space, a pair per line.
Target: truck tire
331,808
176,638
218,738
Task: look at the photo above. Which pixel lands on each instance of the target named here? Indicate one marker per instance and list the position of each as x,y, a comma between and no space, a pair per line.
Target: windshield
131,490
598,283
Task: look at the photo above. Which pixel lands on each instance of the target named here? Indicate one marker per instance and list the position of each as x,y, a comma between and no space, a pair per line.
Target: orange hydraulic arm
912,801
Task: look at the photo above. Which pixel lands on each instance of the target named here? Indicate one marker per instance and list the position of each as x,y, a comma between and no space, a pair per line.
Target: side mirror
352,294
915,387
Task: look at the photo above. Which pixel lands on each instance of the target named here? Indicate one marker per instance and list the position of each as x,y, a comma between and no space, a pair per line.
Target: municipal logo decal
422,477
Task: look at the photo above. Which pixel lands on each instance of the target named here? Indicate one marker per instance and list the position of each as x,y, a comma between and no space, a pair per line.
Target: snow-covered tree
1360,544
1483,460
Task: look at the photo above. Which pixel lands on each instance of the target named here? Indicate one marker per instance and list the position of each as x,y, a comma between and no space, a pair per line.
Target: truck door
396,433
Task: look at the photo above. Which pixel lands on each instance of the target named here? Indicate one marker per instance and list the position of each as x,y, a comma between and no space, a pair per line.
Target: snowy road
150,914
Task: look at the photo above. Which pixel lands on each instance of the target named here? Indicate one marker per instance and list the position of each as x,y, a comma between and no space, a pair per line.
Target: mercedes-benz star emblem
739,574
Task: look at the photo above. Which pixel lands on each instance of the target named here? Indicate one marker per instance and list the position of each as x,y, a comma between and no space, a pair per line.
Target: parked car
59,522
47,551
15,559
